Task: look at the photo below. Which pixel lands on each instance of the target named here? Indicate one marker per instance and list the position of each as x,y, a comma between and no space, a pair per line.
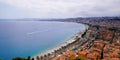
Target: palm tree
41,57
49,54
28,57
37,58
45,55
55,51
32,58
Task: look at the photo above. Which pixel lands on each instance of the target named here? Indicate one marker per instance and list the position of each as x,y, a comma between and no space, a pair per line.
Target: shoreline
68,41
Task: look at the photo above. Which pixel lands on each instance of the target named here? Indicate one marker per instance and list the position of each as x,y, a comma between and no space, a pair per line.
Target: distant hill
109,22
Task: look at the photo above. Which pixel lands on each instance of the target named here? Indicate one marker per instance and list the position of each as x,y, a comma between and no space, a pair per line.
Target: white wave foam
34,32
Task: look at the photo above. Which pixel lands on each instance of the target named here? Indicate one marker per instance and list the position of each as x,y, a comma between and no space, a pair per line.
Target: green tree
41,57
37,58
49,54
28,58
0,58
32,58
19,58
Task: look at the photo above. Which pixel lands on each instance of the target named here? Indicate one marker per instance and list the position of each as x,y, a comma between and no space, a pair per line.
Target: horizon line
60,18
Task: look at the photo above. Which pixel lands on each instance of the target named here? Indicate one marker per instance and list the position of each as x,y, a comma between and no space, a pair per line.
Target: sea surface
28,38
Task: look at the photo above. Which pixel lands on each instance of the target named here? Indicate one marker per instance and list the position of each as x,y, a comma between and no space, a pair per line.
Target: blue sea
28,38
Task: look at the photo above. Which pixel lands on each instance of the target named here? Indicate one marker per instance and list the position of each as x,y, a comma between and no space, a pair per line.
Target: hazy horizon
45,9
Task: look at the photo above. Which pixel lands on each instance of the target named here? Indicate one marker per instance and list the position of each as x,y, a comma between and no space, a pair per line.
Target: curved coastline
68,41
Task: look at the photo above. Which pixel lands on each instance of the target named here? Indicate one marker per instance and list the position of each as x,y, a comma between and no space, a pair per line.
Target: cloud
67,8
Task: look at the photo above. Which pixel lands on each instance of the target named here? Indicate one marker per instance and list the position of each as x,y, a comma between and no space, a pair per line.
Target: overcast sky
58,8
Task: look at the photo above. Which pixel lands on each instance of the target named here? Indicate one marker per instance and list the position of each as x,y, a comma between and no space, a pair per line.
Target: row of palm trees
55,53
45,57
60,51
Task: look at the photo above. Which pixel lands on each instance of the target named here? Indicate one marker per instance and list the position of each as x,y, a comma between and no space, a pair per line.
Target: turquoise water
28,38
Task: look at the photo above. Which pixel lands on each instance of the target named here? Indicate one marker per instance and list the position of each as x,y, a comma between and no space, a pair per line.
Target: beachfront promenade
95,44
70,44
91,44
